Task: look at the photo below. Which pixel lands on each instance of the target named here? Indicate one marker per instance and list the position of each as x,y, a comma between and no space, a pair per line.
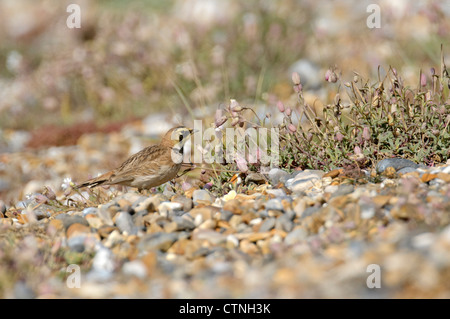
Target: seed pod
295,78
366,133
292,128
288,111
280,106
339,137
234,121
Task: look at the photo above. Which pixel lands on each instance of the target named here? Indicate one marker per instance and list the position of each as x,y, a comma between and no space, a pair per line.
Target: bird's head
176,137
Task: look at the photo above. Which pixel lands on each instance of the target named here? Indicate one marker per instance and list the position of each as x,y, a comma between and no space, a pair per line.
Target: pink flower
292,128
241,163
339,137
423,79
295,78
280,106
288,111
366,133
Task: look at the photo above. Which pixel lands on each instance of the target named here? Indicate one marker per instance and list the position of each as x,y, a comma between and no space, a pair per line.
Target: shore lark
150,167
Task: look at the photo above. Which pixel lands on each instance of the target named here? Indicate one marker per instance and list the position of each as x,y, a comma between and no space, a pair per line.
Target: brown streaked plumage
150,167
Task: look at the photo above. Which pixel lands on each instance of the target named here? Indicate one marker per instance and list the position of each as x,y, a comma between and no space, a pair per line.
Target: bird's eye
180,138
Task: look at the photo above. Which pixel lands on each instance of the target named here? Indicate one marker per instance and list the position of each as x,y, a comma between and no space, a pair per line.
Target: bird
150,167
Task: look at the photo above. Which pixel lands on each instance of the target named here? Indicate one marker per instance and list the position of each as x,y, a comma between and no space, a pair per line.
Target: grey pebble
2,207
304,180
396,163
68,220
277,192
202,195
406,170
23,291
226,215
274,204
76,243
295,236
255,178
343,189
284,222
89,210
157,241
268,224
276,174
125,223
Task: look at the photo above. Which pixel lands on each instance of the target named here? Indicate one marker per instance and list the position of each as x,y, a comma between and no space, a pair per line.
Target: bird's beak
192,131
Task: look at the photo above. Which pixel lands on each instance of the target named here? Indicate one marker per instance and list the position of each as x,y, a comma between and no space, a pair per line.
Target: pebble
170,208
296,236
304,180
255,178
69,220
268,224
274,204
276,175
157,241
202,196
124,222
396,163
185,202
179,223
135,268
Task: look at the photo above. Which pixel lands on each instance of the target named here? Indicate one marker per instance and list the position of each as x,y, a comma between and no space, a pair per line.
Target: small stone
94,221
104,231
230,196
267,225
157,241
57,224
169,208
343,189
103,264
77,229
226,215
89,211
2,207
334,173
396,163
178,224
125,205
135,268
105,215
232,242
255,178
276,174
296,236
186,203
125,223
234,206
406,170
284,222
428,177
202,196
278,192
209,235
389,172
367,211
150,204
69,220
405,212
444,176
274,204
304,180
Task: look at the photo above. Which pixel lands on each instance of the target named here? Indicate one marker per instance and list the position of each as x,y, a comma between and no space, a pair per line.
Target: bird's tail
94,182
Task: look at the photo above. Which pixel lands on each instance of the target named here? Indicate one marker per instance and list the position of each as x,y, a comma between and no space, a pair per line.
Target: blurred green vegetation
134,58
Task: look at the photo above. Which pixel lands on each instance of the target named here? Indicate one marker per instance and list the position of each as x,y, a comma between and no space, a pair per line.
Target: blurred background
152,63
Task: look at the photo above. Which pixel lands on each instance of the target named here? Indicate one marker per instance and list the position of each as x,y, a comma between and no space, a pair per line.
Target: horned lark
150,167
